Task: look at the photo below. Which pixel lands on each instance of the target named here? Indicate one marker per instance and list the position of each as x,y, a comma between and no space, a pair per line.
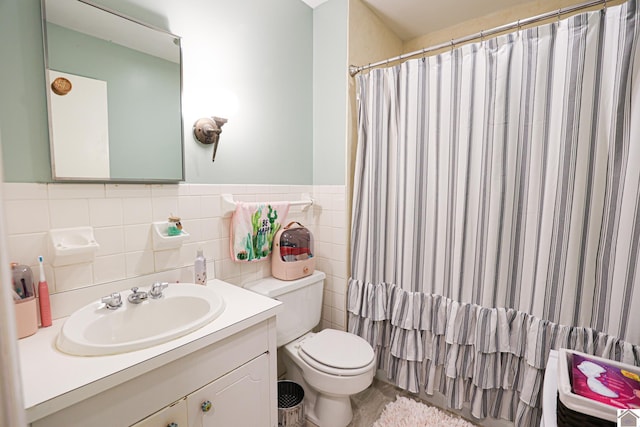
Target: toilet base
324,410
334,411
321,409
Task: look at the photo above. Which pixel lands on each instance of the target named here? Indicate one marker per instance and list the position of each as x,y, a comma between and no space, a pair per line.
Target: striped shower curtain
496,211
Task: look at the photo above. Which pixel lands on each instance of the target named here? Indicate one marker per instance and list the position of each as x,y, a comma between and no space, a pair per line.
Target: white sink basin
95,330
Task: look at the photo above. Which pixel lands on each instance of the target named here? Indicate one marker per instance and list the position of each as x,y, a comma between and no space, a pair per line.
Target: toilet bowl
330,365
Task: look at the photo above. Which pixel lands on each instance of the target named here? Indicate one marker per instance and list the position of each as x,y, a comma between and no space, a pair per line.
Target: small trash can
290,404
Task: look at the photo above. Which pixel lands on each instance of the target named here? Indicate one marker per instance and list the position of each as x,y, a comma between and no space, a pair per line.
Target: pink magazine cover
604,383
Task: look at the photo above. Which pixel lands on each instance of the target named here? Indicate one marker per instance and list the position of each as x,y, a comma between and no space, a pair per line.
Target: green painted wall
23,110
247,60
330,92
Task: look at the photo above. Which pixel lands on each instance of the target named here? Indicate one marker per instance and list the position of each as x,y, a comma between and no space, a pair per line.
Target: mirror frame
49,113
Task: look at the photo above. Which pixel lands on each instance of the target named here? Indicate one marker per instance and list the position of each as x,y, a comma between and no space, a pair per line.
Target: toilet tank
301,300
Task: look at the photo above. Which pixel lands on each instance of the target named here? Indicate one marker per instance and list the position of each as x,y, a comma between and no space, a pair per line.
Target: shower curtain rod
353,69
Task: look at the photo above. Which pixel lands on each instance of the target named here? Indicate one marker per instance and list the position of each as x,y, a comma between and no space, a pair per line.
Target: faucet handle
112,301
136,297
157,288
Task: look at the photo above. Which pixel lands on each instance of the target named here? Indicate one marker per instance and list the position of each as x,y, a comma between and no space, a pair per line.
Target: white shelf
162,239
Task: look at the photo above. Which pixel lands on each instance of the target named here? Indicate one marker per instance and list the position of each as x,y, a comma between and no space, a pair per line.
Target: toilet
330,365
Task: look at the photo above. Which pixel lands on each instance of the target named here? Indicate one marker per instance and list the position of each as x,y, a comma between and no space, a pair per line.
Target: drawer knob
172,425
206,406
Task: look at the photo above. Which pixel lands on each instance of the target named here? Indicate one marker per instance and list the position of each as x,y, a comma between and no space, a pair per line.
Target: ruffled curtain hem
490,358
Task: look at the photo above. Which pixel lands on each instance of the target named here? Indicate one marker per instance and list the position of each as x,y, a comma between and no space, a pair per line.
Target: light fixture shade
207,131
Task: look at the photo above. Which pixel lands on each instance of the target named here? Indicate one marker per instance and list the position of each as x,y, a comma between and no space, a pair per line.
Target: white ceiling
314,3
413,18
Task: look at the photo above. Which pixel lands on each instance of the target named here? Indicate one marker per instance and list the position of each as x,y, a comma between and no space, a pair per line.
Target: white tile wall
121,216
330,233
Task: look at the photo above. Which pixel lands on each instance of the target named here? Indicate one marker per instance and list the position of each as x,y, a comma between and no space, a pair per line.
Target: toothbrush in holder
43,293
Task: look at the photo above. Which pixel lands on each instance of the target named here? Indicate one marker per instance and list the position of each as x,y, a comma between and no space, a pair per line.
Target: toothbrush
43,293
19,290
25,289
16,297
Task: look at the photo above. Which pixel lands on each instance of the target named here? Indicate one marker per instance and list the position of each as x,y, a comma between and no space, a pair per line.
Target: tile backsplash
122,215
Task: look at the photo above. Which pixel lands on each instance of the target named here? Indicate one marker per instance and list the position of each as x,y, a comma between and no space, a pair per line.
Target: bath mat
405,412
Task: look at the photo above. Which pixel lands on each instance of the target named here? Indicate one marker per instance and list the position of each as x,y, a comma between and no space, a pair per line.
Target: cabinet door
239,398
174,415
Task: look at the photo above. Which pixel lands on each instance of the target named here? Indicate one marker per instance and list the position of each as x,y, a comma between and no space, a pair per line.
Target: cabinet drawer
174,414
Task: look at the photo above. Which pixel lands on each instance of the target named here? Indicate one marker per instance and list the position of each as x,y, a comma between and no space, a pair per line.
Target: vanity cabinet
175,413
240,398
237,374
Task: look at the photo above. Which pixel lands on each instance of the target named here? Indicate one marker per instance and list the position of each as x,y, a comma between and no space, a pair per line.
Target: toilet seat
337,353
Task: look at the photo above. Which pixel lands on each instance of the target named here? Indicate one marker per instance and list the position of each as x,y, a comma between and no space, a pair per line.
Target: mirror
113,94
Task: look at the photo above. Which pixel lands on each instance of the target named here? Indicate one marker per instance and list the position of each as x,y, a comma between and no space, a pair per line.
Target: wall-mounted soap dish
72,245
163,240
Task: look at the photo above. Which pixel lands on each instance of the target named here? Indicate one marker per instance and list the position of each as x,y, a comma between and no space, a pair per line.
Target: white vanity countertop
52,380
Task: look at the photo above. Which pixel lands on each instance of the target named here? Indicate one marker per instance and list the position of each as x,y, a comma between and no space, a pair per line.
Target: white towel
253,226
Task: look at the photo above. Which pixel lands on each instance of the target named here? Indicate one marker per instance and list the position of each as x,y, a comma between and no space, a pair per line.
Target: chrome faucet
136,297
156,289
113,301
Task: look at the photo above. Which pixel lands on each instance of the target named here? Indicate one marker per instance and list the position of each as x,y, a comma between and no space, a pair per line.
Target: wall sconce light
207,130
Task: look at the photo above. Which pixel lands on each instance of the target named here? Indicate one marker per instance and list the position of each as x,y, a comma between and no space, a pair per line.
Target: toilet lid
338,349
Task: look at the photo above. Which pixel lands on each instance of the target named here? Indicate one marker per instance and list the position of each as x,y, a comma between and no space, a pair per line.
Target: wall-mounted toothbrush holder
72,245
163,240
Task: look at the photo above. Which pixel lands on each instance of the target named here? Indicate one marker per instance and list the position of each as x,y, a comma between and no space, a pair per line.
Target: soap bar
172,230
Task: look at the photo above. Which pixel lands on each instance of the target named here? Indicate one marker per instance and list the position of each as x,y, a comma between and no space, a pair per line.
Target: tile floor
369,404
